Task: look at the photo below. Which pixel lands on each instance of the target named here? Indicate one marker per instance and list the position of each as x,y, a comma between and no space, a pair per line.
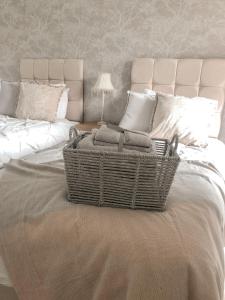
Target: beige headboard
69,71
184,77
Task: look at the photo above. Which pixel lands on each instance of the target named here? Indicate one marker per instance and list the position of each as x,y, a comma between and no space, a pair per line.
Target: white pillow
62,107
139,112
189,118
9,93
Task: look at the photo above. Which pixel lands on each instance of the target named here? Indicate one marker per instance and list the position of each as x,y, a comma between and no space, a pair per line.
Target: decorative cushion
189,118
9,93
38,101
139,112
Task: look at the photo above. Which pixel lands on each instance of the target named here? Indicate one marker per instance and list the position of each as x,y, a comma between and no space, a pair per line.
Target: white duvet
19,138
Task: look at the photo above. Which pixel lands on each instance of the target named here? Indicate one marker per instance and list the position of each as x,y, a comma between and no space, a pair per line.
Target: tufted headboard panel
69,71
184,77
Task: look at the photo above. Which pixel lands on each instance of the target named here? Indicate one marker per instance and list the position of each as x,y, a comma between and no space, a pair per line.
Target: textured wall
108,34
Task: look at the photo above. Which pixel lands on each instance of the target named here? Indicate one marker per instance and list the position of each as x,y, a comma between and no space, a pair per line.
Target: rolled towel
109,135
87,143
124,148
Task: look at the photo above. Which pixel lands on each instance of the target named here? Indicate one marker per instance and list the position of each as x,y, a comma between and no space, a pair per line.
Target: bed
22,137
79,252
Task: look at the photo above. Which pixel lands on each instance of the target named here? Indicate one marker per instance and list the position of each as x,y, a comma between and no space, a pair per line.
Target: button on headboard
69,71
184,77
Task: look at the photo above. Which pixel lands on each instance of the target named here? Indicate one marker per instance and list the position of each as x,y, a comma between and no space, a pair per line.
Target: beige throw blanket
55,250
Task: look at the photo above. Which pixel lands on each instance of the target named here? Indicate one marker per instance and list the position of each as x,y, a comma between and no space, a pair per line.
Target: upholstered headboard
69,71
184,77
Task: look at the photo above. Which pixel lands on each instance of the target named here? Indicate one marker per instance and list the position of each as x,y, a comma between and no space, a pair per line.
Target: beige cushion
184,77
68,71
38,101
189,118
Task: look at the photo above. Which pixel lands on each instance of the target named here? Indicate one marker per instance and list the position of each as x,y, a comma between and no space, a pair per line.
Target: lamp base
100,123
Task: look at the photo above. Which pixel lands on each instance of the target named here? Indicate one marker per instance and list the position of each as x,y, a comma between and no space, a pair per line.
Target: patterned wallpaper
109,34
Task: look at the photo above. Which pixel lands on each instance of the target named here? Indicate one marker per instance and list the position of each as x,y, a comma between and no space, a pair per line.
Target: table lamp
103,87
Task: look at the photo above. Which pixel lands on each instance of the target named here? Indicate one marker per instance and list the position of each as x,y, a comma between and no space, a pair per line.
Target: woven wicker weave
126,180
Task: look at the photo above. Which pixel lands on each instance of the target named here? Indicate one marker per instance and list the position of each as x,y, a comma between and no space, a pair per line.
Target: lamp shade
104,84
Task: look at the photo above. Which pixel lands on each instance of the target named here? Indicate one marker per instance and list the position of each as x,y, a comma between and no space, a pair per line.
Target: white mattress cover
19,138
213,155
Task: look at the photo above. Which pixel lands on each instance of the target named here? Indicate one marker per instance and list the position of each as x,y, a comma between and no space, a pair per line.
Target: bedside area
87,126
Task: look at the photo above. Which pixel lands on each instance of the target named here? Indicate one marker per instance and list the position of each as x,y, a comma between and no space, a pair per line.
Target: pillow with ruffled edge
38,101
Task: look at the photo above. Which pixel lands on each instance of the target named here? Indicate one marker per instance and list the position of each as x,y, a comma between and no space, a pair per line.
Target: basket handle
73,133
173,145
121,142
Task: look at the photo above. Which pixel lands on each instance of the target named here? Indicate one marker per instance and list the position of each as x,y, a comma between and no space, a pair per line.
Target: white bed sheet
19,138
212,155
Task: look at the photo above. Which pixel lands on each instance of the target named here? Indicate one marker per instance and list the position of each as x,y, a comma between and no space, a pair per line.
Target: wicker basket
120,179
